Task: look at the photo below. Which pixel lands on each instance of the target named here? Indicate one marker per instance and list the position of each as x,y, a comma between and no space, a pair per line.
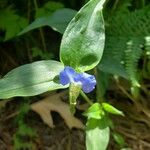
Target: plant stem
40,29
115,5
98,88
86,98
142,3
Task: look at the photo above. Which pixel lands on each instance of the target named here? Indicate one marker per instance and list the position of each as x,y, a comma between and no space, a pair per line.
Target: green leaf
97,134
31,79
11,22
58,21
109,108
83,41
119,139
48,9
95,111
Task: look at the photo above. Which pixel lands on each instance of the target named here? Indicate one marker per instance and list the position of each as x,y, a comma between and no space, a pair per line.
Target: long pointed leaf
31,79
57,21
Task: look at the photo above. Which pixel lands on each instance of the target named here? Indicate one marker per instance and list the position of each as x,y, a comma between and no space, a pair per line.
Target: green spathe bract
83,41
31,79
74,91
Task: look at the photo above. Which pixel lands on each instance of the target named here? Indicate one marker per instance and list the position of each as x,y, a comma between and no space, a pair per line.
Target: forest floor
134,127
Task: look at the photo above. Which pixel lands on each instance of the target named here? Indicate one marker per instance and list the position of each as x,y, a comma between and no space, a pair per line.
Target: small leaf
97,134
48,9
83,41
95,111
119,139
58,21
31,79
11,22
109,108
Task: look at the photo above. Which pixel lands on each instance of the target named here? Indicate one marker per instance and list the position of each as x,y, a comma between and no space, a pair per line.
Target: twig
145,143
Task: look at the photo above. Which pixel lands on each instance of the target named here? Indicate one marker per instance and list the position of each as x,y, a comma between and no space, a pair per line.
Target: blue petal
67,75
88,82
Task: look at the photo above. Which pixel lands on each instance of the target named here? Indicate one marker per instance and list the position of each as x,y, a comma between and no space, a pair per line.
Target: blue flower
87,81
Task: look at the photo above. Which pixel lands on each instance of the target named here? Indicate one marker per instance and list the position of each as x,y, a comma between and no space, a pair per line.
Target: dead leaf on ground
54,103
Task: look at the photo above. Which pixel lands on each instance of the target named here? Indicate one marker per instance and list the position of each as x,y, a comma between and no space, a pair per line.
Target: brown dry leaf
54,103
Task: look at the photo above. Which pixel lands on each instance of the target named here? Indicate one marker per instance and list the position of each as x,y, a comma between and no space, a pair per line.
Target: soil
134,127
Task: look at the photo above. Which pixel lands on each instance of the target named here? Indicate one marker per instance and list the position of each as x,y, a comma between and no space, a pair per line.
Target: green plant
81,50
24,136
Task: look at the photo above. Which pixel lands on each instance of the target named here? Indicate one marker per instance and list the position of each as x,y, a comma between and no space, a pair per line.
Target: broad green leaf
31,79
97,134
95,111
97,139
83,41
58,21
111,109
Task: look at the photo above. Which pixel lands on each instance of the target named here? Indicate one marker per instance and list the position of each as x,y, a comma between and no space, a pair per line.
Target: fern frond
125,34
147,46
124,26
132,55
130,24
